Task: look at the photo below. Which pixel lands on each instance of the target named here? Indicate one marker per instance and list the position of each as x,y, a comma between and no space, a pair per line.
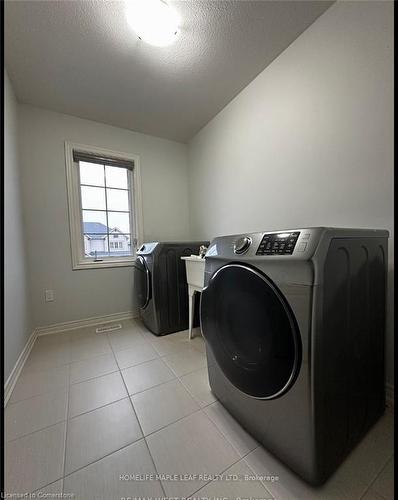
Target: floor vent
108,328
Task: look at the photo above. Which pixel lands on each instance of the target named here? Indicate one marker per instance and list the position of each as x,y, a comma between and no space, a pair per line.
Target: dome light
153,21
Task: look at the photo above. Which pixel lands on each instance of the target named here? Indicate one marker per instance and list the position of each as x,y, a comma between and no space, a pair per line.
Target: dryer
294,327
160,283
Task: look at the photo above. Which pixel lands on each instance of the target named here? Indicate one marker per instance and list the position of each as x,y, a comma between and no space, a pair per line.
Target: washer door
142,282
251,331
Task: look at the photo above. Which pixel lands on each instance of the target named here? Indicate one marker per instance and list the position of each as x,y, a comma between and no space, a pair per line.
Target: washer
294,327
160,284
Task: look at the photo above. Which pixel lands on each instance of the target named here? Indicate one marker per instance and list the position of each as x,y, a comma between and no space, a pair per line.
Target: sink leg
191,293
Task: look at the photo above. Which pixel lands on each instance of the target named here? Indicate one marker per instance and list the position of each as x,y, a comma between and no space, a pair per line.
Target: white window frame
79,261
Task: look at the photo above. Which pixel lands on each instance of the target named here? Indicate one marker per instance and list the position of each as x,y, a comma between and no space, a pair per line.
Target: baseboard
96,320
83,323
390,396
56,328
16,371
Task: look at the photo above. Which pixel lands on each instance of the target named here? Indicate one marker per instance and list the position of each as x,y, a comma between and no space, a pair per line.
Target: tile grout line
189,393
143,437
229,466
225,435
71,341
187,389
376,477
34,432
159,357
188,373
48,484
93,378
136,441
138,420
254,472
64,454
56,389
68,364
139,423
102,458
69,418
58,366
110,403
40,429
158,430
66,432
175,421
152,387
201,410
67,389
68,386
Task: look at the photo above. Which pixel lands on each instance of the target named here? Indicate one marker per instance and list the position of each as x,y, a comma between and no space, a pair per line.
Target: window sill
103,264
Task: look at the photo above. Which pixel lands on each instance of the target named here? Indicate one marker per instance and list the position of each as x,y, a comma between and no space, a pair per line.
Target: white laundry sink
195,267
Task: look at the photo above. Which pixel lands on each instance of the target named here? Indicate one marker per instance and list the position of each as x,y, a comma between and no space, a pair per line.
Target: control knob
242,244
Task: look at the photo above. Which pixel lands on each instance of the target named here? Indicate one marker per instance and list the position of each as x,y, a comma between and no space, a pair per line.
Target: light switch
301,247
49,294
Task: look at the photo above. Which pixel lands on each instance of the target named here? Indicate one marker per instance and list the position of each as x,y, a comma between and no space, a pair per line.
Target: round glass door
142,282
251,331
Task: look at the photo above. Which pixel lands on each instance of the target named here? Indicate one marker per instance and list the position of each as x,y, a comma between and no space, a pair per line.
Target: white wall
310,141
16,300
93,292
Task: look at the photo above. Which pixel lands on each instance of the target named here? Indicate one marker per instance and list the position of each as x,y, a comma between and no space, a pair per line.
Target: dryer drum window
142,282
251,331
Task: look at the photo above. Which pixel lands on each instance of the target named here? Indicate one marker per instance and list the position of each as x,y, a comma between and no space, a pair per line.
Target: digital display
278,244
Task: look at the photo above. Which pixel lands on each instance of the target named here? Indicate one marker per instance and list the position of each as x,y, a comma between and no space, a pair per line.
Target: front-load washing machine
160,283
294,327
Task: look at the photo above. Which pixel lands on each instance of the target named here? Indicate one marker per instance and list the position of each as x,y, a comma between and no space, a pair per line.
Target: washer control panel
278,243
147,248
242,244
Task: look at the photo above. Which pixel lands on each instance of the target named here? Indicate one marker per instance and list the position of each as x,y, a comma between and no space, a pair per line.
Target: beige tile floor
107,416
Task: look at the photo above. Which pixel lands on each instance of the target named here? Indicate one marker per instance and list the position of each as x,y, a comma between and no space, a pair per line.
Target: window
104,204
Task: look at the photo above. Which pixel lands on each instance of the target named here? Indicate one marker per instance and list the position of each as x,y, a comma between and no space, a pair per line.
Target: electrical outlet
49,294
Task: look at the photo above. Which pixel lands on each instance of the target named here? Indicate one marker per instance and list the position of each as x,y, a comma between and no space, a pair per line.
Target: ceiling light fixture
154,21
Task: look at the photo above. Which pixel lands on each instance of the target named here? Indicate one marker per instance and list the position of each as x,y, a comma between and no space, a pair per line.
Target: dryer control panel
278,243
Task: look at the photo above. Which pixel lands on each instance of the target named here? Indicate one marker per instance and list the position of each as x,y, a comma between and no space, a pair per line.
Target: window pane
94,222
95,245
117,199
120,221
119,244
91,173
116,177
93,197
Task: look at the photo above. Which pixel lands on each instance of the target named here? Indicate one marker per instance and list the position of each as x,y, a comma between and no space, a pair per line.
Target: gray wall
93,292
310,141
16,300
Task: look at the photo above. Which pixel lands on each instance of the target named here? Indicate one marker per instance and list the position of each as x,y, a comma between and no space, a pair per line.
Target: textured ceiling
81,58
